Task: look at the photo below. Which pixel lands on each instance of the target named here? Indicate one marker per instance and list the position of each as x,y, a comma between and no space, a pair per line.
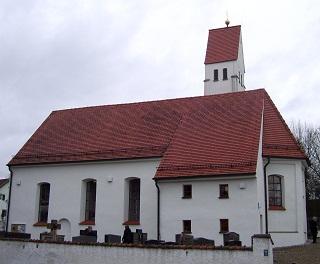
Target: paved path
304,254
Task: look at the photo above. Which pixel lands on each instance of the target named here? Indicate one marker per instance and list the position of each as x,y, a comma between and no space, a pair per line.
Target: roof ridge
152,101
213,29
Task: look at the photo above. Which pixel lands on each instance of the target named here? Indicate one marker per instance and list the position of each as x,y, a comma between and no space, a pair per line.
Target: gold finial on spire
227,21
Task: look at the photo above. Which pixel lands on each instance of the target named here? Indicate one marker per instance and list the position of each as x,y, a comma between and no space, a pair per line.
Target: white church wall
205,208
223,86
4,190
65,195
4,197
240,63
261,199
288,225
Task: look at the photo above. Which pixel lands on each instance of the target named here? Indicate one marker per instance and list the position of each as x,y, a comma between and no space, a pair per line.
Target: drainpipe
158,210
266,194
9,199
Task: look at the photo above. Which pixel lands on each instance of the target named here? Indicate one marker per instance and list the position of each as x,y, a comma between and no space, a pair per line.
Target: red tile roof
197,136
3,182
278,140
223,44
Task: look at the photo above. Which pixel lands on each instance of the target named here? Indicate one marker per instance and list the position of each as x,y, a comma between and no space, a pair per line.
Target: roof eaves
79,161
203,176
4,182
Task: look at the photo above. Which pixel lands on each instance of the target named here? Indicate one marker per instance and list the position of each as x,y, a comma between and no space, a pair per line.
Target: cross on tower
54,226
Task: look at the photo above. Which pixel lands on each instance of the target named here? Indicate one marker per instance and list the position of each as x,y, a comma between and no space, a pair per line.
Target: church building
202,166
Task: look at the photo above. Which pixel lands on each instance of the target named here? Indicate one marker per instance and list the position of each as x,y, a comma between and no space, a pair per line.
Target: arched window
275,190
90,210
134,200
44,202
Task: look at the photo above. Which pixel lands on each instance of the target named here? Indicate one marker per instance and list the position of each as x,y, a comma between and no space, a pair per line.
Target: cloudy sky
66,54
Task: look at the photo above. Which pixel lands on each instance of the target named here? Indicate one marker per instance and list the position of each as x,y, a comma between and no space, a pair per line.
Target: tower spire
227,22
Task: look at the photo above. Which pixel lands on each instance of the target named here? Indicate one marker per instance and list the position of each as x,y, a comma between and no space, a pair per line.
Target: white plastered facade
244,209
286,226
67,196
4,196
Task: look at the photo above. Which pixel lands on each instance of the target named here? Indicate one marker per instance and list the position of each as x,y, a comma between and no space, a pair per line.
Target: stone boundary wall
46,252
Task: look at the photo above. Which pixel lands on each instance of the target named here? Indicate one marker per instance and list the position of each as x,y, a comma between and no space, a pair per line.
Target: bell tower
224,62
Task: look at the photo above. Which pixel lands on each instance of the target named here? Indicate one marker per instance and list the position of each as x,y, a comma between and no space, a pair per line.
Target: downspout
158,210
266,194
8,209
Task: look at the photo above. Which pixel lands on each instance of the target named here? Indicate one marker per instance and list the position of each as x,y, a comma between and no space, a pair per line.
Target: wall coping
202,247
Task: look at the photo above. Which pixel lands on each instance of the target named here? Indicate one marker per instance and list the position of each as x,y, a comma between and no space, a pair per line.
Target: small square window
187,191
186,226
224,191
224,225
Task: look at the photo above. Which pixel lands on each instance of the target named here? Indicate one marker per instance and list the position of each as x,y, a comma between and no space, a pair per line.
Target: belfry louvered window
215,75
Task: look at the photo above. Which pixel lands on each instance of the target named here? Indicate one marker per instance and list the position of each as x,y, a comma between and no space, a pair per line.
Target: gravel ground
304,254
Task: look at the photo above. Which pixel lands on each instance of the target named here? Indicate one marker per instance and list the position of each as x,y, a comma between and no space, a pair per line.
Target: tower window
215,75
225,74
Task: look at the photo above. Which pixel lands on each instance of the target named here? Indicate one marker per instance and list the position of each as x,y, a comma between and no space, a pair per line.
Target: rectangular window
91,201
187,191
224,191
215,75
225,74
186,226
44,202
224,225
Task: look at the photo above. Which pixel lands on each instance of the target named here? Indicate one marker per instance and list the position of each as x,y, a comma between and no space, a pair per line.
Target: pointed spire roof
223,44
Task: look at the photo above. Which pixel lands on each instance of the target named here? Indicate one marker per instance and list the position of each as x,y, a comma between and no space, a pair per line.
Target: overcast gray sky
65,54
